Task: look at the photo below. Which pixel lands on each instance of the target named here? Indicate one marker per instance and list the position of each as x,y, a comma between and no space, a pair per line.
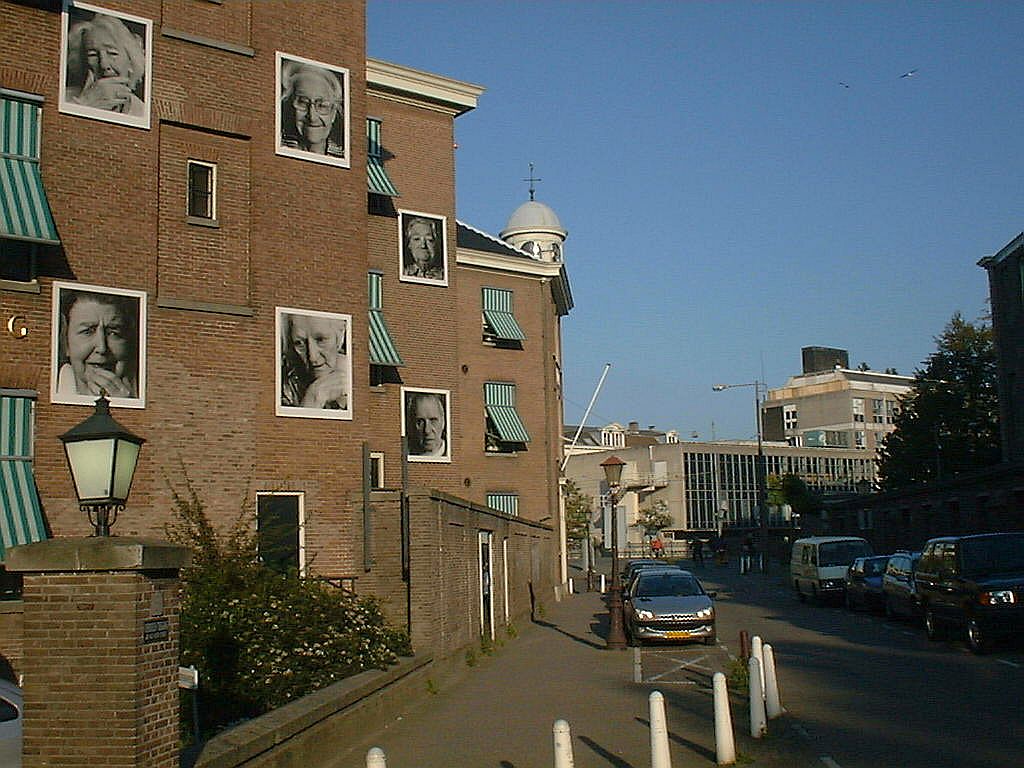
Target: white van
818,565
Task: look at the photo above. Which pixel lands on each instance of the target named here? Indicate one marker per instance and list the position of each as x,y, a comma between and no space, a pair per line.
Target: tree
653,518
579,509
949,422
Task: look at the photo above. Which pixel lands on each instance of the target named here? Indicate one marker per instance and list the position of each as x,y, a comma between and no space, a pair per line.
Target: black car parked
898,589
975,583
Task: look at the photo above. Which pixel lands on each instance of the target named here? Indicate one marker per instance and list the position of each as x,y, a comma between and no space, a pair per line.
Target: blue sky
728,201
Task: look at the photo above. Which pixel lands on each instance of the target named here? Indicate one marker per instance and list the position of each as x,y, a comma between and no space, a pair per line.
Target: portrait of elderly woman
312,111
98,345
314,377
105,65
422,239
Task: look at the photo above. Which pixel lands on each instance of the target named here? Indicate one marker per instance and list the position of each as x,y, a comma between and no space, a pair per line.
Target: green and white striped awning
500,404
21,517
498,317
377,178
382,347
24,209
504,502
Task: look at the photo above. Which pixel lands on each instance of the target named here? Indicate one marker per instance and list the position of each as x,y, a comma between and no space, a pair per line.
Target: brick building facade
207,207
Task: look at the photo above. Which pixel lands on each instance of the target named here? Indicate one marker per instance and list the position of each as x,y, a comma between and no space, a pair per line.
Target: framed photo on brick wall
314,371
106,64
312,119
423,246
99,345
426,423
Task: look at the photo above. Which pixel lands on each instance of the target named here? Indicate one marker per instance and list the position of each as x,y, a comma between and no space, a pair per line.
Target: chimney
634,427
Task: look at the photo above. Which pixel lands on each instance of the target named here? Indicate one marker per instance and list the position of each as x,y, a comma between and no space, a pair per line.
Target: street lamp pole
612,467
759,468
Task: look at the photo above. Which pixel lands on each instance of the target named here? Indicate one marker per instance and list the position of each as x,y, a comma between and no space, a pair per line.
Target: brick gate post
101,651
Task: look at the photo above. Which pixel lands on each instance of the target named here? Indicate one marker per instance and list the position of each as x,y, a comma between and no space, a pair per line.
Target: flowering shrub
261,638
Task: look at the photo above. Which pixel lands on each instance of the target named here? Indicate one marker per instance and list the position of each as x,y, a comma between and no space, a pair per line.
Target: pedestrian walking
657,547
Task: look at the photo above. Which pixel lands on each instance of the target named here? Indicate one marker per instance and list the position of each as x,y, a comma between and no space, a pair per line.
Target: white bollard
725,742
375,758
572,587
758,720
638,667
602,583
563,745
659,732
772,702
757,651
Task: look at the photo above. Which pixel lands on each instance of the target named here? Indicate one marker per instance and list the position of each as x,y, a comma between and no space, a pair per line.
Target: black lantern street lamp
612,467
102,456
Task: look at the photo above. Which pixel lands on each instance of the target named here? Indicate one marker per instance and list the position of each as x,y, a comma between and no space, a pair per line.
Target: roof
478,240
532,216
1005,252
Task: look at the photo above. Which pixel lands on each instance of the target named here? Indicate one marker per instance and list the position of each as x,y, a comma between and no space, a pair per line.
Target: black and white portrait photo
426,416
106,64
99,345
312,110
314,372
423,248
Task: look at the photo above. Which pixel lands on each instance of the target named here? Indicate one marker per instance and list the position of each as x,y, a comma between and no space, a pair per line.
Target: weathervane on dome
532,181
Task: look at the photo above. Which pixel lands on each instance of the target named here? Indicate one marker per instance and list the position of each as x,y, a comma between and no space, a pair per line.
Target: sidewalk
501,714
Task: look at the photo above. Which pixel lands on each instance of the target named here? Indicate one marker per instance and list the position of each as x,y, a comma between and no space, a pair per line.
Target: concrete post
725,742
101,651
757,652
660,757
376,758
563,744
758,718
772,702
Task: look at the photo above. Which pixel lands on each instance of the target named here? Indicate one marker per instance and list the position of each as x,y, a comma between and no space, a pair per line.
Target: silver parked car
10,725
669,604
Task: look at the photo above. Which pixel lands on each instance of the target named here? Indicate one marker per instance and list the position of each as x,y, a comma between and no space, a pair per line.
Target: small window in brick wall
280,539
202,190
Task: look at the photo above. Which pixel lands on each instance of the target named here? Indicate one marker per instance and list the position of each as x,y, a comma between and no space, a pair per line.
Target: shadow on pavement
570,635
612,758
693,746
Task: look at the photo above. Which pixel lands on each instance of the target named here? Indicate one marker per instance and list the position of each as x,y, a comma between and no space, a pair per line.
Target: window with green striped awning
24,209
504,502
503,423
499,322
21,517
382,347
377,178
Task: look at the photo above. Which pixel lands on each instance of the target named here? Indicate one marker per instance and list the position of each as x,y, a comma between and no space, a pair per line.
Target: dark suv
974,582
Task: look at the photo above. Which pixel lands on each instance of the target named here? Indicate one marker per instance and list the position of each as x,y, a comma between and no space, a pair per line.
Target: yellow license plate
677,635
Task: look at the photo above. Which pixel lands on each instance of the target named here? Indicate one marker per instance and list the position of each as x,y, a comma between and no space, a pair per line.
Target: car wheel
931,626
977,639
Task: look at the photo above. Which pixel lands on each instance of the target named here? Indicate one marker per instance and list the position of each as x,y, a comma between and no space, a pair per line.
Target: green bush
262,638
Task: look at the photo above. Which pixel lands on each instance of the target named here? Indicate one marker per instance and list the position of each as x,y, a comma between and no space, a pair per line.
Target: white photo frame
319,131
422,248
314,364
114,83
427,443
98,342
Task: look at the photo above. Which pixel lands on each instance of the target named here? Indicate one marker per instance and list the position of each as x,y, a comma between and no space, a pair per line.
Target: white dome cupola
535,229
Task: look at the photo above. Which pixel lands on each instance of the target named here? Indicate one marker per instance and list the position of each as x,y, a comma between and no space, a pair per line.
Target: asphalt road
869,692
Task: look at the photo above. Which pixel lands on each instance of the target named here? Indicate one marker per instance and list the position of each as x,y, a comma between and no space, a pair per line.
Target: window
878,411
505,432
789,416
890,412
376,470
384,357
21,517
499,324
377,179
280,534
613,438
504,502
858,409
25,218
202,190
859,440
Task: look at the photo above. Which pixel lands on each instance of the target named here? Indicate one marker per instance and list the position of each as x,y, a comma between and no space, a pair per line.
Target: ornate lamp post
612,467
102,456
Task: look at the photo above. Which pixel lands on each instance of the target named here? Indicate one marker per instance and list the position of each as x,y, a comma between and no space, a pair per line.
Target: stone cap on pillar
98,553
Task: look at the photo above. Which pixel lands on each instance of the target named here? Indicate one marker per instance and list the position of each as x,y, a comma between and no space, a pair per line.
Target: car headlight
999,597
645,615
706,613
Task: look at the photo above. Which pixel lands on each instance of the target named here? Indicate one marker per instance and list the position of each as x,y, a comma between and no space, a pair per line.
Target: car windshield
875,566
667,585
993,554
841,552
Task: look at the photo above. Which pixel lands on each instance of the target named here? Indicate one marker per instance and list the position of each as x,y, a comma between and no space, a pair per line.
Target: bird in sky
911,73
843,84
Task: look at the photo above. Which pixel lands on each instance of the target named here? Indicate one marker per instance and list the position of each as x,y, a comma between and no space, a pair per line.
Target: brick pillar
101,652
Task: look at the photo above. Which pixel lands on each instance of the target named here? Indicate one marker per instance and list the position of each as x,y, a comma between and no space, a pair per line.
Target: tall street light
612,467
759,468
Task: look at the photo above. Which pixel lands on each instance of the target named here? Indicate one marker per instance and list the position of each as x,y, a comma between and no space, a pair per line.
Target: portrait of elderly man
423,252
106,65
97,346
315,366
312,111
426,425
